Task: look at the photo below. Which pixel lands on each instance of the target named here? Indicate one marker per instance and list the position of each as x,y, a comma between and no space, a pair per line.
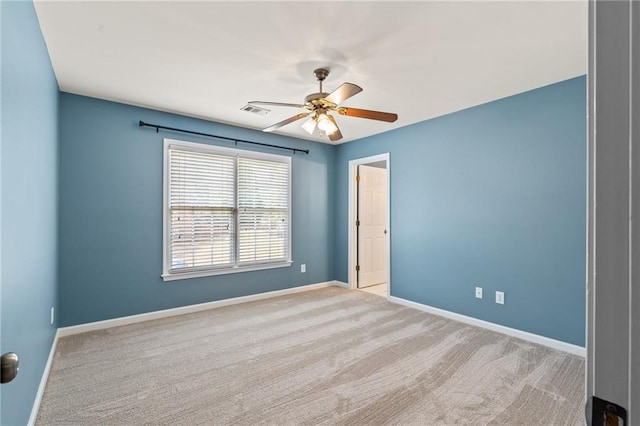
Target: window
225,210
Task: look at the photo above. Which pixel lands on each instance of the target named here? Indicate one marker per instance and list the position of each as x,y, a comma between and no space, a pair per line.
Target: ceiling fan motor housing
315,98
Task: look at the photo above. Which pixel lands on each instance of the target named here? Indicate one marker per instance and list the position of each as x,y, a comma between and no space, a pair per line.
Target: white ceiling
208,59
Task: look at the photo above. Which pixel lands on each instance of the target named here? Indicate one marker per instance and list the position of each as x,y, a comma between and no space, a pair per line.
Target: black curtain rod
158,127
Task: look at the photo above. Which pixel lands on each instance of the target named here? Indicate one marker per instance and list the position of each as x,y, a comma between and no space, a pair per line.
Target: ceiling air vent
255,109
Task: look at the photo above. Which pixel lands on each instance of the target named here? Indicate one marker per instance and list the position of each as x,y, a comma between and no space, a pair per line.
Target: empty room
275,212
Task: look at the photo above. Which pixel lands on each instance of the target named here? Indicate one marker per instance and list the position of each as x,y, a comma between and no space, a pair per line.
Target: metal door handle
385,231
9,364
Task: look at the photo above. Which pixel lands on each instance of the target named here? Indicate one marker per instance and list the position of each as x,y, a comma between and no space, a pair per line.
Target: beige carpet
330,356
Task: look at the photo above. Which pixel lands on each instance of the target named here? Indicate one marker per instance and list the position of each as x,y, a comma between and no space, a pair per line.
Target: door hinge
358,178
357,223
357,268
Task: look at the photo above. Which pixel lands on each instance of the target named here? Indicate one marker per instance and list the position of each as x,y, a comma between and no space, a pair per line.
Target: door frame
351,220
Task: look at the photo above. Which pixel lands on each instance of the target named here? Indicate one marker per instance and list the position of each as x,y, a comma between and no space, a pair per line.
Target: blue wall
111,213
29,204
492,196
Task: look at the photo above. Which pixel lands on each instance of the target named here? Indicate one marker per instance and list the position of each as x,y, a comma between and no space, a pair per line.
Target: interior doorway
369,225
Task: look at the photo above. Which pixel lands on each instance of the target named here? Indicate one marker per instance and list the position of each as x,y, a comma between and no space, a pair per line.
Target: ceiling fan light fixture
310,125
325,124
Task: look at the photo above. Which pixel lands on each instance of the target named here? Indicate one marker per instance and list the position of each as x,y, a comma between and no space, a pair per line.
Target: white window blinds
263,210
225,209
202,203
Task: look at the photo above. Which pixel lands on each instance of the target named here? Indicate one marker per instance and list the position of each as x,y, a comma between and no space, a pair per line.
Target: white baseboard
524,335
341,284
99,325
43,382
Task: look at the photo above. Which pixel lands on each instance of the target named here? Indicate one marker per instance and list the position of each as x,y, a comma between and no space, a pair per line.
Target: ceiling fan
319,104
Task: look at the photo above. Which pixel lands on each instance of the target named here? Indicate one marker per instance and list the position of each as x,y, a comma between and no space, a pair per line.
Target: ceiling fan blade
287,121
276,104
344,92
371,115
337,135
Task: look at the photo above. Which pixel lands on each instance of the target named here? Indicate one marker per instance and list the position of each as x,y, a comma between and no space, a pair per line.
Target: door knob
9,367
385,231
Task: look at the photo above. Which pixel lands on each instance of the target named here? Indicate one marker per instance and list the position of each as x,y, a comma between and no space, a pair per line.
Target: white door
372,232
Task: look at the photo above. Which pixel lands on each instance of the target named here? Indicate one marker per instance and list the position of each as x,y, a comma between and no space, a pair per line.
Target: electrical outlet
52,312
500,297
479,292
303,268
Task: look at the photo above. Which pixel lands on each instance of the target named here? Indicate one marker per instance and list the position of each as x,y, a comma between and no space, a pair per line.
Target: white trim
341,284
210,272
353,164
133,319
530,337
43,381
165,209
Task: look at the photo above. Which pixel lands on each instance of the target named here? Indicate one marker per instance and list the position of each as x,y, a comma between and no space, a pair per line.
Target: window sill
198,274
